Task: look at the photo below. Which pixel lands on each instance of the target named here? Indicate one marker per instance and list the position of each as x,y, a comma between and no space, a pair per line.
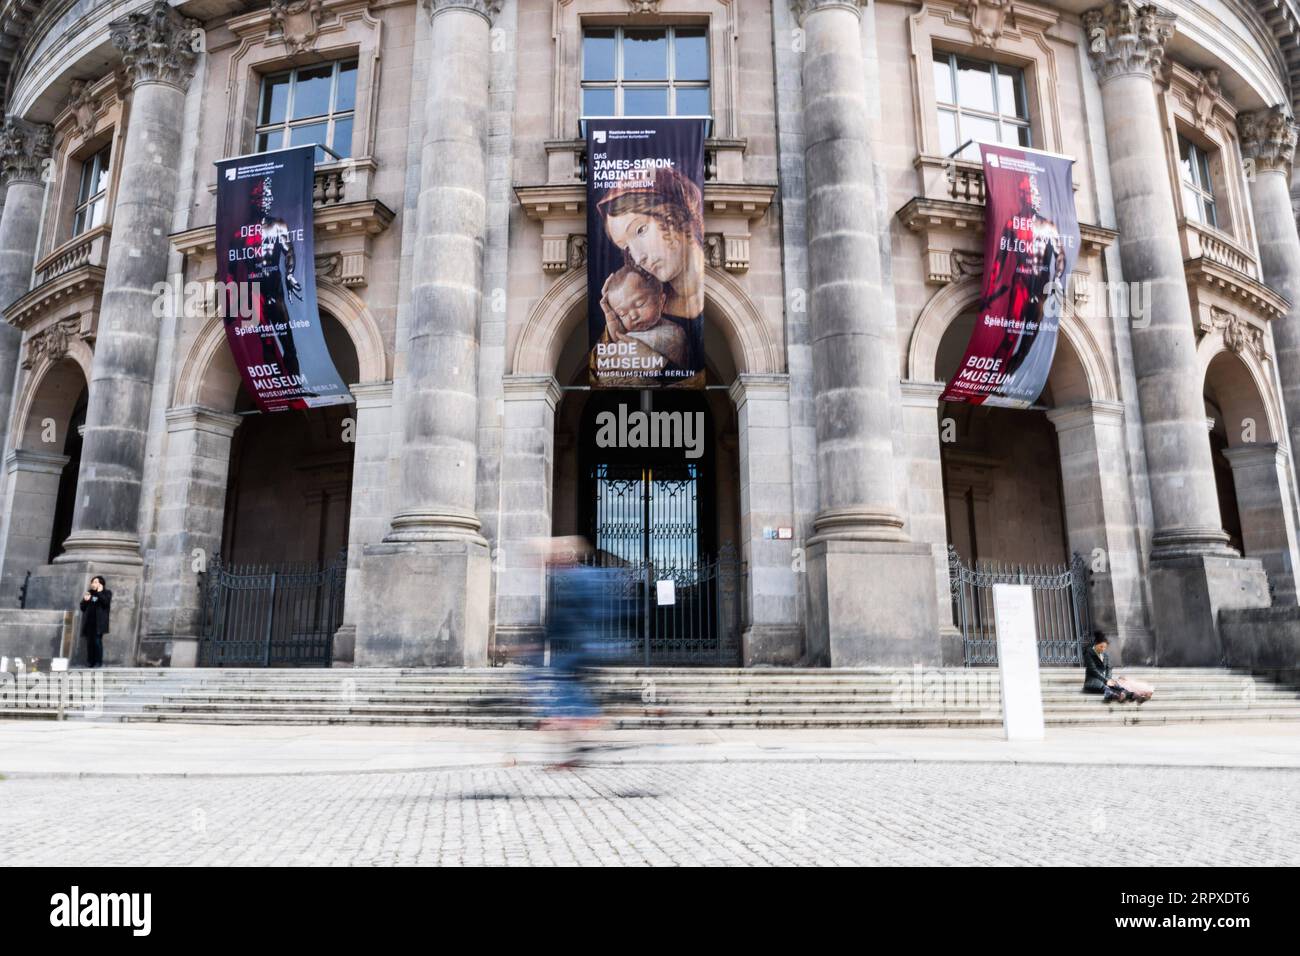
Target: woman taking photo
95,604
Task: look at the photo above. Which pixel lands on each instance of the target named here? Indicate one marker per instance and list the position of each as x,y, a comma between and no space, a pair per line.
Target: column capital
757,385
1268,138
1086,414
527,388
24,148
1126,38
803,8
24,459
1257,453
372,394
917,394
201,418
157,45
487,9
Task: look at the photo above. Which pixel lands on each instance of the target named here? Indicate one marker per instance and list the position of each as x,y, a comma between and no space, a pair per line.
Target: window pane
1192,204
1211,214
692,51
271,140
84,191
342,136
311,94
943,81
947,132
101,170
275,95
311,133
692,101
1024,136
645,55
645,102
79,223
598,102
598,55
97,210
1203,164
1011,98
346,97
978,128
974,85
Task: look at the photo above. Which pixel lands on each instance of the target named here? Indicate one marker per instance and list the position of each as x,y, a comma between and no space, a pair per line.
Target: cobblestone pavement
755,813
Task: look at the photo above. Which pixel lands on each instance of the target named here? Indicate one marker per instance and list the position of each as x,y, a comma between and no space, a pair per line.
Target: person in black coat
95,605
1096,664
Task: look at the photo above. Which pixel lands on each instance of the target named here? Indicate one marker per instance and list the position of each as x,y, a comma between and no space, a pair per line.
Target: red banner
1031,241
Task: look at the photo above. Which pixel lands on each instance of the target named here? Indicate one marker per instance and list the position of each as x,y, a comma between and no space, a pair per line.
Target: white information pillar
1022,695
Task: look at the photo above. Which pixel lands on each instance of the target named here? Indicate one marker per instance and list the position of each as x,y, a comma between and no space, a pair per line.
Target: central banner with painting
645,252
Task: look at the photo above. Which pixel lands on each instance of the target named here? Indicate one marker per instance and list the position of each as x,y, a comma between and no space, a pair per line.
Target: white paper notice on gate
667,592
1022,694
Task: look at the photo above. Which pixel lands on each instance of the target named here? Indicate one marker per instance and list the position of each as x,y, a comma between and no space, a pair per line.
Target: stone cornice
527,388
369,217
202,418
920,214
569,200
24,149
487,9
157,45
802,8
1268,138
1125,38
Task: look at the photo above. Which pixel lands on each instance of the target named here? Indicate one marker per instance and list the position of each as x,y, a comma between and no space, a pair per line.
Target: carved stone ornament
966,263
644,6
713,249
1239,335
488,9
82,105
1126,38
297,22
988,18
1207,95
158,45
1268,138
576,256
24,150
50,343
802,8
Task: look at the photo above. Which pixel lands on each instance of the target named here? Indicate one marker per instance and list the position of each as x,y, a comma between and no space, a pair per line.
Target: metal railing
1062,619
262,615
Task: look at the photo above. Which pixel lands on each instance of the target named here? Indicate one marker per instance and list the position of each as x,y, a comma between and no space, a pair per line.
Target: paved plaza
882,799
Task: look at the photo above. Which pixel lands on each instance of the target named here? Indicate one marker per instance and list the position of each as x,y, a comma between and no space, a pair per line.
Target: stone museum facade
843,233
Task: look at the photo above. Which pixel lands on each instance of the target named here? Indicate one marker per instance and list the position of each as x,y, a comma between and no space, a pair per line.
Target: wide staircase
670,698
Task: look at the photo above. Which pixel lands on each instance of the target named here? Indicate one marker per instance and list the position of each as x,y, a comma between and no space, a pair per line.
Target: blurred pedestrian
95,605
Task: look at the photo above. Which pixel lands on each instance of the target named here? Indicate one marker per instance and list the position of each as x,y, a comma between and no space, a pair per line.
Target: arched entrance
289,490
650,479
1252,472
43,468
1001,471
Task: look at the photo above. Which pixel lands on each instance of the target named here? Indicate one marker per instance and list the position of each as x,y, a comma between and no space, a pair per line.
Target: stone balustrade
88,249
1205,242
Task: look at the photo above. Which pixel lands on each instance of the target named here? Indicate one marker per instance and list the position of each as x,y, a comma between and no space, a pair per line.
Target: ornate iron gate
1061,615
702,625
268,616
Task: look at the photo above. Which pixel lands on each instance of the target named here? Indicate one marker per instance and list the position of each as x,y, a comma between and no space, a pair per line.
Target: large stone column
190,518
1100,521
156,46
871,591
426,587
527,466
1193,571
1268,141
24,150
774,634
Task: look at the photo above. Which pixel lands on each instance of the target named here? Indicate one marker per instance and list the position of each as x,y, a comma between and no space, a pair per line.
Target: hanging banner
266,280
645,252
1031,241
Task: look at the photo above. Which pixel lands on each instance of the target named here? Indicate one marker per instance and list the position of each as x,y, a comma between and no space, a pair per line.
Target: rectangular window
979,101
92,193
312,104
645,71
1198,185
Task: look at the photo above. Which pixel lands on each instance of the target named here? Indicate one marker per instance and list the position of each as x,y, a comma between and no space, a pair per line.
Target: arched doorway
42,485
289,490
650,479
1001,470
1253,476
